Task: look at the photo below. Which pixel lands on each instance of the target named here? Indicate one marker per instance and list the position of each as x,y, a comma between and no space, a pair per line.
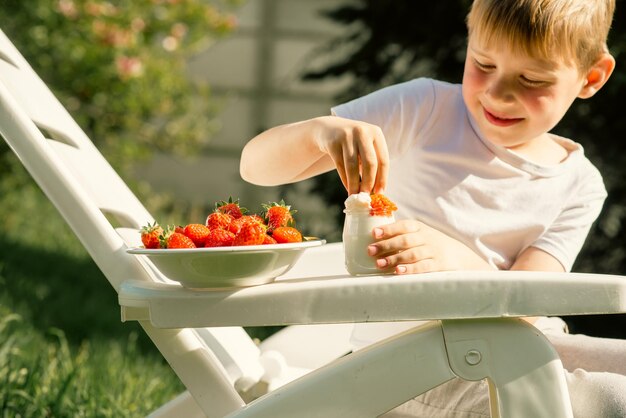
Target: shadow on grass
55,290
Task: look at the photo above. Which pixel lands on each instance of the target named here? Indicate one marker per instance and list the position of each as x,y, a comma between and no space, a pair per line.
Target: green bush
119,67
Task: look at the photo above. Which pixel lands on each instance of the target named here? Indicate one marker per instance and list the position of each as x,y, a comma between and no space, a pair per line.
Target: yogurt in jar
357,234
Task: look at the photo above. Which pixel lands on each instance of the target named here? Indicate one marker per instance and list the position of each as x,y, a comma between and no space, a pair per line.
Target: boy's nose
502,89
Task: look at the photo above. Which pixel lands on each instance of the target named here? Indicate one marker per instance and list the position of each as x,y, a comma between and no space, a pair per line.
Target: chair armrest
343,298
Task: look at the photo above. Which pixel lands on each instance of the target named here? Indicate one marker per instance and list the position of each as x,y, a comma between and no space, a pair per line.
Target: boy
479,180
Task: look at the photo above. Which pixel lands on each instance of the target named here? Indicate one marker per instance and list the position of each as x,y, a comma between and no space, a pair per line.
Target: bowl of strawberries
232,248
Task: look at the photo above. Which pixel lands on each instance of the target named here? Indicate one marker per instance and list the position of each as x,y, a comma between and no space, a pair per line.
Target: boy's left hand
410,246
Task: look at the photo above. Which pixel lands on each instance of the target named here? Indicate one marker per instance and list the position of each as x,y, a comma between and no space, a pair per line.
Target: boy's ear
597,75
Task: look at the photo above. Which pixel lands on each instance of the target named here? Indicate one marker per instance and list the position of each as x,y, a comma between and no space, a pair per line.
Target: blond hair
573,30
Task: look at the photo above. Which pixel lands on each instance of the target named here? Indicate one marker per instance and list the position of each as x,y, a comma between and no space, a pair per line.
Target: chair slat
105,187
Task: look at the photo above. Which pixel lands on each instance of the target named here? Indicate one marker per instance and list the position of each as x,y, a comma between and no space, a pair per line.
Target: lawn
63,350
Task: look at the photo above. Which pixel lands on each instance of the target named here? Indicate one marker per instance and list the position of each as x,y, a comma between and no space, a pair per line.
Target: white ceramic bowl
220,267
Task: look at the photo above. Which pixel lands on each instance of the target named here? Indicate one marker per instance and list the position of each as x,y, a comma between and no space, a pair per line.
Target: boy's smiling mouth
499,121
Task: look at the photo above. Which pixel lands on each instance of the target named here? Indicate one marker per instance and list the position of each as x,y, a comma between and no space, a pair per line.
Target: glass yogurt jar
357,233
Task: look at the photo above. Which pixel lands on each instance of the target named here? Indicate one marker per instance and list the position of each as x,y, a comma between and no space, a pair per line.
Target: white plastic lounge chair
475,333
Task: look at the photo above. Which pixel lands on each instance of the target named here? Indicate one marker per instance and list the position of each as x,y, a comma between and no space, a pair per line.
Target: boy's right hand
359,152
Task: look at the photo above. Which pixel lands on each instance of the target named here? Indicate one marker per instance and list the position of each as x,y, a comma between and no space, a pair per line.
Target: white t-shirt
444,173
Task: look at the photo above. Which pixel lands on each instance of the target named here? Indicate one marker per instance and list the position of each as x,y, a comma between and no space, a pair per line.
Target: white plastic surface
363,384
310,346
525,374
337,299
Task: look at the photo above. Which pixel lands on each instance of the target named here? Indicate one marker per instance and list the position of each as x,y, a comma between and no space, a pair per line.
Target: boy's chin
504,141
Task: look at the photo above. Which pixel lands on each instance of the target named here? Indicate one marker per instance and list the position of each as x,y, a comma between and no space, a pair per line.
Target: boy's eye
483,66
532,82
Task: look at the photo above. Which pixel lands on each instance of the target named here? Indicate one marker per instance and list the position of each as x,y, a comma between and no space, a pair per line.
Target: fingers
369,166
412,255
338,160
374,160
423,266
415,260
359,152
396,245
398,228
351,164
382,171
404,247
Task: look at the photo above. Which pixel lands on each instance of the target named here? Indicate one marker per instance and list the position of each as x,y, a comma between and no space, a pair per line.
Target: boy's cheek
473,77
473,82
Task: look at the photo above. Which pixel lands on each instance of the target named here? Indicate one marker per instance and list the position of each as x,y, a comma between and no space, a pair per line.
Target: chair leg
197,368
181,406
525,374
366,383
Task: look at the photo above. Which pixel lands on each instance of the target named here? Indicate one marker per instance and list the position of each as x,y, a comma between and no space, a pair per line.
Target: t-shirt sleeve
401,111
566,236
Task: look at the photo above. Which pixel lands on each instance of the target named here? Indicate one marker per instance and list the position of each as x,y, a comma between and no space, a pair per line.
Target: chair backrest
105,215
70,170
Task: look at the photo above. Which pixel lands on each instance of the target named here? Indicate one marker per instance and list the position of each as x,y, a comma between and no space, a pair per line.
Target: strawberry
257,218
381,205
236,224
173,239
197,232
286,234
231,208
269,240
278,214
219,238
150,235
180,229
218,220
251,233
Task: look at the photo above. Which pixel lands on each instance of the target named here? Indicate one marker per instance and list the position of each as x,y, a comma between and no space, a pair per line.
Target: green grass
43,375
63,350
